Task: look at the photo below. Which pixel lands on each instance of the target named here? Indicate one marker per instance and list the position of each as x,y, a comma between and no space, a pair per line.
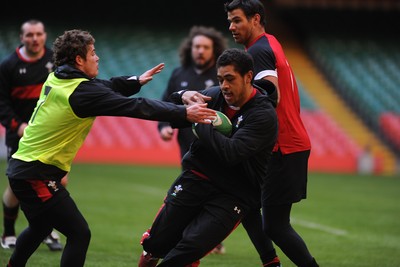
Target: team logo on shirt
177,189
53,185
184,84
49,66
209,83
239,120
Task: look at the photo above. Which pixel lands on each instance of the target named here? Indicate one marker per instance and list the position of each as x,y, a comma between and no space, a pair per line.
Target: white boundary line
320,227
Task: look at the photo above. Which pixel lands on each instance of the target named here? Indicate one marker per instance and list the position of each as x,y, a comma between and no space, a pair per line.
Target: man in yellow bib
69,102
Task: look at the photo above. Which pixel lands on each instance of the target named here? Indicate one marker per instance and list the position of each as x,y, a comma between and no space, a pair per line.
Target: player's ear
79,61
257,18
248,77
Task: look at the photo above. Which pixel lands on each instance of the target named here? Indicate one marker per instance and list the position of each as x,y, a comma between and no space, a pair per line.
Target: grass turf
347,220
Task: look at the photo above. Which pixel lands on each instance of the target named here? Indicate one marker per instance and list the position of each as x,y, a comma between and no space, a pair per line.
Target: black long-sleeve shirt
238,163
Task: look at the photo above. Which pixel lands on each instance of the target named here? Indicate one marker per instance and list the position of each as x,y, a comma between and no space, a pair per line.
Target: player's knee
64,180
9,198
83,233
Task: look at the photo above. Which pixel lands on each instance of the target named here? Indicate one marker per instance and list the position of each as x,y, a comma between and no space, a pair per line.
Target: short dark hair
31,22
71,44
238,58
249,7
219,43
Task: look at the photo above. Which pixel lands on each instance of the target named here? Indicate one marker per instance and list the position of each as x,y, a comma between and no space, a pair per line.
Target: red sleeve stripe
27,92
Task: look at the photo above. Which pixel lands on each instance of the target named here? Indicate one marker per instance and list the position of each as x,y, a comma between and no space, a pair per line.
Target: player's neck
255,35
30,56
204,68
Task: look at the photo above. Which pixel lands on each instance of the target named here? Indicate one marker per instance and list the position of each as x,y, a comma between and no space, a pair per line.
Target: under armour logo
238,211
22,70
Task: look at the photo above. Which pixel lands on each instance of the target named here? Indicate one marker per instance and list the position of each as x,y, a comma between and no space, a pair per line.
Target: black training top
235,164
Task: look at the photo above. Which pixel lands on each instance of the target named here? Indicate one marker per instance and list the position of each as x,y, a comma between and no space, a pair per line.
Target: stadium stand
338,132
329,141
332,103
123,140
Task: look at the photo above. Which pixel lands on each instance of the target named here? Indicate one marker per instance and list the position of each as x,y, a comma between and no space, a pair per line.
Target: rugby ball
221,123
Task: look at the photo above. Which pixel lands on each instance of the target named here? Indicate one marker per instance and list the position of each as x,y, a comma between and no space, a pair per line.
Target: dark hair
249,7
71,44
31,22
238,58
219,43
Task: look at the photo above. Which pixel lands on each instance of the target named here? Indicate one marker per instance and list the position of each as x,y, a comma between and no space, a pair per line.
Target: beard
203,65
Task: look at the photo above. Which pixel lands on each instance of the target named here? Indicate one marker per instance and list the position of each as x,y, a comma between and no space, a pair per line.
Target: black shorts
286,180
193,192
195,217
36,196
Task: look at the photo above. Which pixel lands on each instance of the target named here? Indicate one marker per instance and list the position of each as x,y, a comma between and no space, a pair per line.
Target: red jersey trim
27,92
200,175
255,40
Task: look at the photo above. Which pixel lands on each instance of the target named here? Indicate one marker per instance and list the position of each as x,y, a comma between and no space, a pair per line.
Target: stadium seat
365,72
390,124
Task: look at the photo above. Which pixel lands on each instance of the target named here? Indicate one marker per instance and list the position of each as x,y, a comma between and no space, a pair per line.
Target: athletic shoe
274,263
219,249
146,260
8,242
53,241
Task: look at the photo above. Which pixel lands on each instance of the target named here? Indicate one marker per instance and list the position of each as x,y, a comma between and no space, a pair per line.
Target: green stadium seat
364,70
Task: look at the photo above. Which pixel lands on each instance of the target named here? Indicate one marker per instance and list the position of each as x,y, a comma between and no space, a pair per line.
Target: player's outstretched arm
200,113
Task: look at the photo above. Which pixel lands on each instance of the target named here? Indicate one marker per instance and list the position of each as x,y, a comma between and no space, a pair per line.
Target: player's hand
148,75
194,97
21,129
200,113
167,133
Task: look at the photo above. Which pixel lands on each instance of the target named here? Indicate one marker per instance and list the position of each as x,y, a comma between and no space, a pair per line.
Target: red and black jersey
20,85
269,56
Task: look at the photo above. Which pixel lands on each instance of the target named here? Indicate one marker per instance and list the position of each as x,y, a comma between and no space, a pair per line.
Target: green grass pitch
347,220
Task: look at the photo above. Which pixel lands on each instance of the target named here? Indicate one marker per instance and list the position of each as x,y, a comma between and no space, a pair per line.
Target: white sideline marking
321,227
151,190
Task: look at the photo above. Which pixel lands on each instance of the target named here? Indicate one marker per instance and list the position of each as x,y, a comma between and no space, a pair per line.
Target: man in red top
286,180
